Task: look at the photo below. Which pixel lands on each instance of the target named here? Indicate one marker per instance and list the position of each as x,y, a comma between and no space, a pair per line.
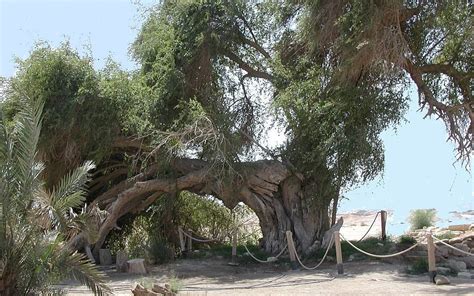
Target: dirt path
215,277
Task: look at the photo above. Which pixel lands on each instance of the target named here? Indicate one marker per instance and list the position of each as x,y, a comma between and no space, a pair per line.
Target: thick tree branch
255,45
251,72
462,79
448,113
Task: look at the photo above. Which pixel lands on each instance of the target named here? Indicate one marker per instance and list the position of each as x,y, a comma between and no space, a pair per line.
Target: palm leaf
79,267
71,190
26,135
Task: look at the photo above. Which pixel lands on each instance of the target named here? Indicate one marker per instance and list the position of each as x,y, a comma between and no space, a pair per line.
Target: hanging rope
452,247
264,261
379,256
320,262
197,239
373,222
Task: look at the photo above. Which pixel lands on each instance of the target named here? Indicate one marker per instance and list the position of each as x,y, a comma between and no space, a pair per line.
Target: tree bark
268,187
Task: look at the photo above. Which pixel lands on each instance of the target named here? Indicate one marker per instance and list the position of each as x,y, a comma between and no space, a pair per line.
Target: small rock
443,270
442,251
469,260
456,266
355,257
465,275
272,259
461,227
460,246
441,280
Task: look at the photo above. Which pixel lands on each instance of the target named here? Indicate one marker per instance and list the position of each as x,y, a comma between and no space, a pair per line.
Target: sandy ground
216,277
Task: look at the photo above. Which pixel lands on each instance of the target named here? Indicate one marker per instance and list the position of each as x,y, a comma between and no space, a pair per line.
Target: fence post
383,220
190,242
234,247
431,258
291,250
182,242
337,241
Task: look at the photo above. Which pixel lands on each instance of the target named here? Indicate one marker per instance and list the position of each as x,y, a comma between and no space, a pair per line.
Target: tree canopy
214,74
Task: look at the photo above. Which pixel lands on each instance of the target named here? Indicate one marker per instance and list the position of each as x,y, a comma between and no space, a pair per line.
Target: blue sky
419,170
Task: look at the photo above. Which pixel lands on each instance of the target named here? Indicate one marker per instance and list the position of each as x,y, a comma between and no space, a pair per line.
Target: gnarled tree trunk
278,197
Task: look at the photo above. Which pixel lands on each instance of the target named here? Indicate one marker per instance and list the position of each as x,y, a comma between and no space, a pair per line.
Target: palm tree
36,223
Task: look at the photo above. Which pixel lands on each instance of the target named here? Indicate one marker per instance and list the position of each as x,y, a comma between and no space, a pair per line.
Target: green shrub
372,245
175,284
406,239
153,234
422,218
446,235
160,250
419,266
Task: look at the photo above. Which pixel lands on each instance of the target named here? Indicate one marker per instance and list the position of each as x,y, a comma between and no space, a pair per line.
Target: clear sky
419,170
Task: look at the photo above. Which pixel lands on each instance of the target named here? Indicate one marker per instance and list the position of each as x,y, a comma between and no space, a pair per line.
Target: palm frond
26,132
72,183
79,267
55,208
4,194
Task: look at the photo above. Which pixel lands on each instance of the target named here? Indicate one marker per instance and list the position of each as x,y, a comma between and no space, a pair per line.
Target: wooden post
121,261
431,258
190,242
291,250
383,220
182,241
337,242
234,247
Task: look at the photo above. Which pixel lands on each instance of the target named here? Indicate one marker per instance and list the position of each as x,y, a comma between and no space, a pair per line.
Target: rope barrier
197,239
373,222
320,262
264,261
452,247
379,256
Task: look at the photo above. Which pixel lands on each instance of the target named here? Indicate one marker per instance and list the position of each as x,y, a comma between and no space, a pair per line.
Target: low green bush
446,235
421,218
420,266
407,239
372,245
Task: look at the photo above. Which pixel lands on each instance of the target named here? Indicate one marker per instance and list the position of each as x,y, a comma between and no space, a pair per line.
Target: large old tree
215,75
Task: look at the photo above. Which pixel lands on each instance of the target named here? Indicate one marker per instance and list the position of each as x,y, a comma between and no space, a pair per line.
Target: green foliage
35,223
141,240
67,85
422,218
372,245
429,42
175,284
208,217
420,266
183,49
152,235
334,130
446,235
128,97
407,239
84,110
